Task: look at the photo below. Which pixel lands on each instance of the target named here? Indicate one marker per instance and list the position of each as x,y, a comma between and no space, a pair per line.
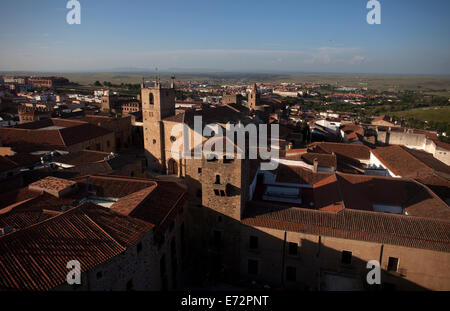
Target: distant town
88,175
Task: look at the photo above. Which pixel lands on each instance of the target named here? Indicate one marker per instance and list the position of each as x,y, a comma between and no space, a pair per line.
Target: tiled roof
14,136
24,159
18,195
353,128
326,160
298,175
438,184
35,258
352,151
70,133
127,204
355,225
113,186
75,135
362,191
400,161
82,157
429,160
52,183
160,203
7,164
327,195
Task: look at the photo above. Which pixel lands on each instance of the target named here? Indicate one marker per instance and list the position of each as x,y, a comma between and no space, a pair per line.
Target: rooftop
52,184
88,233
406,162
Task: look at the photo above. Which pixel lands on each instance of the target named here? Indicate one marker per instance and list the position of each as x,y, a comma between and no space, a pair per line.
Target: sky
323,36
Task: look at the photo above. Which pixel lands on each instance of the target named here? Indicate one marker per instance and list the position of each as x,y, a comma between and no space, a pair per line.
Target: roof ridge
101,229
26,229
430,191
150,190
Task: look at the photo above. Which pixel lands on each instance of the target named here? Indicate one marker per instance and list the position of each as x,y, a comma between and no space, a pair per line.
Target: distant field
427,114
437,85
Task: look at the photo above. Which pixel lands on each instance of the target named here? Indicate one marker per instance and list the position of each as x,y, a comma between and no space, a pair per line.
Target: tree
97,83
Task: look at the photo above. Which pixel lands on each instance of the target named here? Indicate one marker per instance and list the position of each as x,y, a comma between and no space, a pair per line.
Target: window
152,100
199,170
216,192
346,257
392,264
139,247
217,179
252,267
291,274
253,242
293,249
222,193
99,275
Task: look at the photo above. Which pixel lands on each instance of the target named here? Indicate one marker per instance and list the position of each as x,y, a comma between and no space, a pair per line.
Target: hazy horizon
295,37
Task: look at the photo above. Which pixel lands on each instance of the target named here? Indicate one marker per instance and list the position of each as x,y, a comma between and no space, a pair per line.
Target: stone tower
253,97
157,103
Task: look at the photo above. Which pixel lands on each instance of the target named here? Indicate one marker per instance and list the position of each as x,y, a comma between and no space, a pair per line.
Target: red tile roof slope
73,132
7,164
298,175
82,157
400,162
359,152
355,225
35,258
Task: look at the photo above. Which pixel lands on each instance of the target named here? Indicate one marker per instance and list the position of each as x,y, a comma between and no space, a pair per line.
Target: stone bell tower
253,97
157,103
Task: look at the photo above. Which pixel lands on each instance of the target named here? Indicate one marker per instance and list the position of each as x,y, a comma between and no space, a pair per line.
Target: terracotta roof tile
400,161
359,152
298,175
35,258
355,225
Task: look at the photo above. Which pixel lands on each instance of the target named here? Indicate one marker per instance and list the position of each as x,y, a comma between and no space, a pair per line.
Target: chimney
316,165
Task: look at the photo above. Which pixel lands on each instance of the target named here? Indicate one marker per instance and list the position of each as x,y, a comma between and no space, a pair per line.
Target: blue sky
227,35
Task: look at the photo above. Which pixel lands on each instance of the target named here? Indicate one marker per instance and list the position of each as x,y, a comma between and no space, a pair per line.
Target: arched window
152,100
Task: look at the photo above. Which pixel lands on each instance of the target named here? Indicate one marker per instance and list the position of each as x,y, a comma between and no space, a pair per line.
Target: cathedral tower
157,103
253,97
